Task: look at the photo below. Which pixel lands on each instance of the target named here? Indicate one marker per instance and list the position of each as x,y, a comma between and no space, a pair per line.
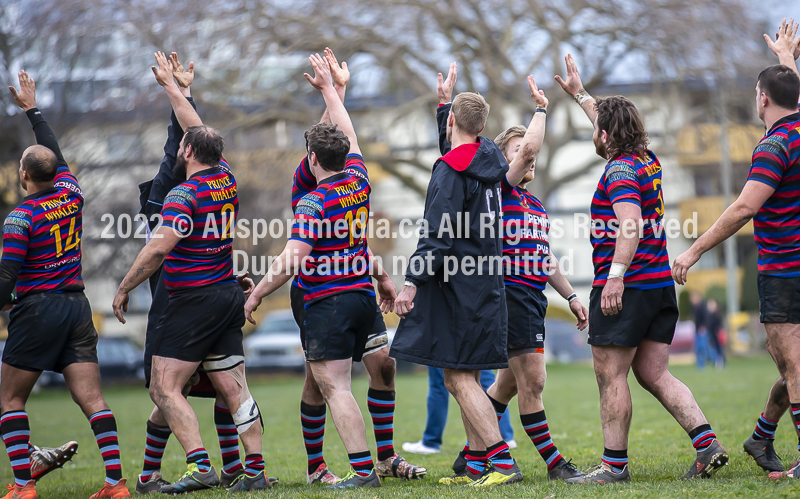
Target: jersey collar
334,178
786,119
37,195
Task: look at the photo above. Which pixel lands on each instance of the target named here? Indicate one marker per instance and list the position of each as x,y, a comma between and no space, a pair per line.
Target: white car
275,344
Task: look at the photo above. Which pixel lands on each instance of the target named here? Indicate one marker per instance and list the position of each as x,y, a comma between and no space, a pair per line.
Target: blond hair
502,140
470,110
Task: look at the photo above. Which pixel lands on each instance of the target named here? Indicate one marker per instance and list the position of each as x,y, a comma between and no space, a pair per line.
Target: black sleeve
443,204
442,112
44,134
9,270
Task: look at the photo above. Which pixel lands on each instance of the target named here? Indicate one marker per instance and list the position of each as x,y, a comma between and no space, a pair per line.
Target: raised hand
785,42
182,76
444,88
537,94
573,85
26,97
322,73
341,74
164,70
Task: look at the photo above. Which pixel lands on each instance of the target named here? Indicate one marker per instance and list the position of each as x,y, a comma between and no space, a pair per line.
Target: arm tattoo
139,271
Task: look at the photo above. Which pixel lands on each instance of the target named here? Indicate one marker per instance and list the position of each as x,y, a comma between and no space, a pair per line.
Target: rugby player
380,367
769,199
203,317
42,258
458,321
328,250
527,268
633,309
152,194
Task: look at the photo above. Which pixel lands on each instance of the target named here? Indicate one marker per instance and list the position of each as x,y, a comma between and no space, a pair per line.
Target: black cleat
244,483
763,453
353,480
708,461
564,471
193,480
602,474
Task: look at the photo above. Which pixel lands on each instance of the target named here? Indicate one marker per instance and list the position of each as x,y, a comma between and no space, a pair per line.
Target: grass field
659,450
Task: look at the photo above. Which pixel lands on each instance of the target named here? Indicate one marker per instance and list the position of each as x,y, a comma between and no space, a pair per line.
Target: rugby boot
26,492
353,479
152,485
794,472
602,474
46,459
763,453
462,478
460,464
244,483
564,470
708,461
494,475
227,479
322,475
117,491
192,480
398,467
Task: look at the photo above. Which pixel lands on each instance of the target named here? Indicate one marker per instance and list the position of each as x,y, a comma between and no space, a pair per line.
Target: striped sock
616,459
765,429
796,419
253,465
16,432
361,463
476,460
312,420
200,458
155,444
228,438
104,427
535,425
499,407
499,456
702,436
381,407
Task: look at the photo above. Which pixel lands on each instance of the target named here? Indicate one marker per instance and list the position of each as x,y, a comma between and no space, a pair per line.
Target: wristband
573,296
410,284
617,270
540,110
582,96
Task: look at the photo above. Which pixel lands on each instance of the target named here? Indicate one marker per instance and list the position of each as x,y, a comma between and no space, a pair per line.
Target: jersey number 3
73,240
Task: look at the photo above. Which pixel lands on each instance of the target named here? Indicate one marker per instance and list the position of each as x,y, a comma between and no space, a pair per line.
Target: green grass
659,450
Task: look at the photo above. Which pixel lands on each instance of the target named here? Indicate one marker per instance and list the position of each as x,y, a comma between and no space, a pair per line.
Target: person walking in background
703,350
438,402
714,321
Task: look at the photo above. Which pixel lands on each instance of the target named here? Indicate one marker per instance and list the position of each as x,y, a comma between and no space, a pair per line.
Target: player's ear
451,119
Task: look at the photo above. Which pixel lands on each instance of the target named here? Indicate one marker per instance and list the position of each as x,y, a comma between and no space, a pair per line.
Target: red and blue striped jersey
631,179
303,182
526,243
776,162
203,210
44,235
333,219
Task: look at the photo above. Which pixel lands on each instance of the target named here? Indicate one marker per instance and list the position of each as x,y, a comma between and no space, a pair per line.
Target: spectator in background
702,343
438,400
714,321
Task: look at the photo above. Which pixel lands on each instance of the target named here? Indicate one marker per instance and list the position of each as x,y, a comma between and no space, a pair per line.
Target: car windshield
282,325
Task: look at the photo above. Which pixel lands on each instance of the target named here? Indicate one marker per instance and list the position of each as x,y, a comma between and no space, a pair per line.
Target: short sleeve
622,183
179,207
355,166
16,235
770,160
505,187
307,217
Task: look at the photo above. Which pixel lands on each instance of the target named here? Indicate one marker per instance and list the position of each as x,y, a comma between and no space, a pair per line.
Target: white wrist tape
617,270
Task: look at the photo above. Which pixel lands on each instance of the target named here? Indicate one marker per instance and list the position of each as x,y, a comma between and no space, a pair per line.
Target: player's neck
774,114
460,138
32,188
193,167
323,174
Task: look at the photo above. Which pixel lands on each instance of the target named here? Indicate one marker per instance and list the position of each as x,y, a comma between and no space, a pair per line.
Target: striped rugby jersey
526,245
333,219
44,235
631,179
776,162
203,209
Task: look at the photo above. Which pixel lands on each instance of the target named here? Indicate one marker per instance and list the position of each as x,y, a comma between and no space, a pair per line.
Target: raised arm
444,90
25,98
341,77
786,45
574,87
164,73
323,81
532,140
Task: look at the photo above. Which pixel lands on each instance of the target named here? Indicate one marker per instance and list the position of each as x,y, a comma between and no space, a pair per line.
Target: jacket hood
481,160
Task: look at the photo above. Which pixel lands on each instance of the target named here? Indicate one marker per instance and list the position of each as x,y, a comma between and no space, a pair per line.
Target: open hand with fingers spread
573,85
537,94
184,77
163,71
26,97
322,73
341,74
444,88
786,41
